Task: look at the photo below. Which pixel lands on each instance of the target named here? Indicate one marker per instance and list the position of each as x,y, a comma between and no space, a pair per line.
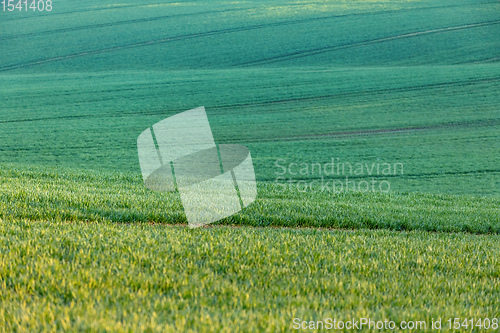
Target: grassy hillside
57,194
442,125
135,277
103,35
412,82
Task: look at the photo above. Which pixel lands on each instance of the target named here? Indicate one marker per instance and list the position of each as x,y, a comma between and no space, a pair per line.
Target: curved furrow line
450,173
118,23
47,118
325,49
92,9
465,124
178,38
158,18
65,147
344,94
264,103
364,93
404,176
87,10
123,47
485,61
145,43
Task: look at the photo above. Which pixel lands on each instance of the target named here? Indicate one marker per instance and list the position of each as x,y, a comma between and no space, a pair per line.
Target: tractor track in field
325,49
112,24
270,102
481,61
121,47
57,148
297,178
136,45
365,93
264,103
239,29
163,17
87,10
464,124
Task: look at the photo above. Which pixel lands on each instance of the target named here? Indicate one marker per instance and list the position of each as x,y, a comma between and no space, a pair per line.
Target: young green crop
76,276
64,194
84,246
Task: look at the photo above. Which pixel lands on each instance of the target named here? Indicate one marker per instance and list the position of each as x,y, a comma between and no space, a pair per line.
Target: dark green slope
411,82
104,36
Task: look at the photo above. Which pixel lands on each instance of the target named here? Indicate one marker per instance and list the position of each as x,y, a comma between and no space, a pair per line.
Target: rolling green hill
411,82
62,194
139,35
442,125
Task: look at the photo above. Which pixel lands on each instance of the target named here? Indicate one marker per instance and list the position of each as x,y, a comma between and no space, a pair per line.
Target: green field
443,125
59,194
84,246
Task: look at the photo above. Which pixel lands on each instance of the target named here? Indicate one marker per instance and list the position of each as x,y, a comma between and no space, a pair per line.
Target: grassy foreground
140,277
